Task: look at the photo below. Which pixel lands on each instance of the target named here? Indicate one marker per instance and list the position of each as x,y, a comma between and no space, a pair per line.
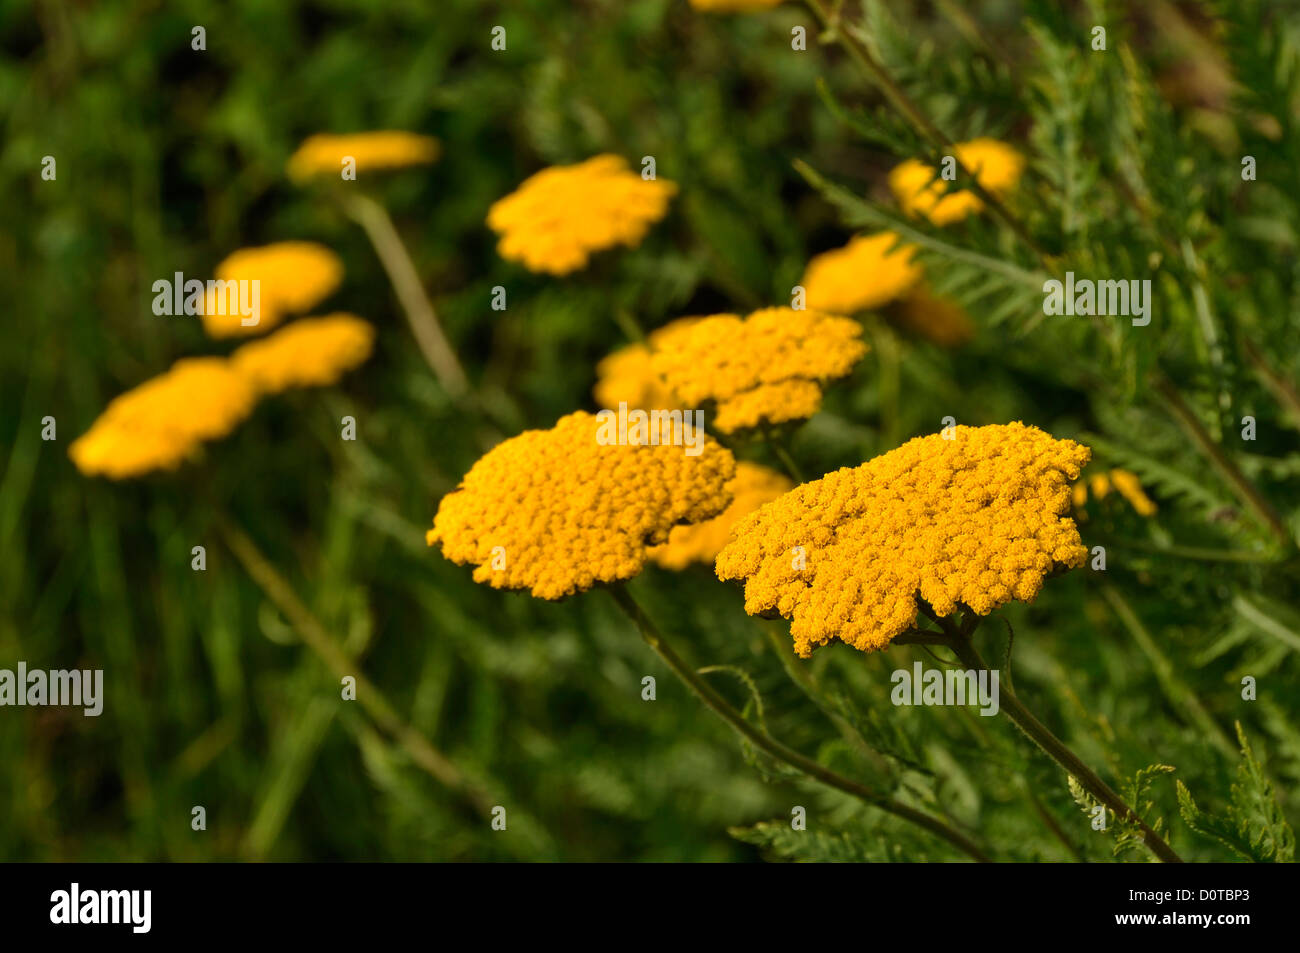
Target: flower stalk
958,639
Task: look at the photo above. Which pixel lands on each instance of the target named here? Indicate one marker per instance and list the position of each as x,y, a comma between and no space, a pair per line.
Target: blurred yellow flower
1124,481
628,375
765,368
734,6
752,486
292,276
941,320
976,521
311,352
323,154
158,424
921,192
557,511
559,217
871,270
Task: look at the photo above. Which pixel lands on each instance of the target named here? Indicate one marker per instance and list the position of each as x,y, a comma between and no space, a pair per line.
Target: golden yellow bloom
752,486
871,270
767,367
734,6
920,191
628,375
158,424
558,511
559,217
293,277
977,520
941,320
311,352
1125,482
323,154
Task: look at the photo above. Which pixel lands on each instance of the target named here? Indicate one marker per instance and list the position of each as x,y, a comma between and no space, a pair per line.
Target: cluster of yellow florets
161,422
292,276
870,271
559,217
752,486
312,352
976,520
1128,485
921,191
556,511
765,368
323,154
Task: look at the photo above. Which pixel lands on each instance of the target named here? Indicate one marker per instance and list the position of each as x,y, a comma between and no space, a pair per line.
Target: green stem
781,752
417,307
783,454
1245,490
960,642
315,637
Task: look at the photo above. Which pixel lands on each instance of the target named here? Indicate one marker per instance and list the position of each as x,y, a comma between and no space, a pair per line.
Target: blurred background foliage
170,158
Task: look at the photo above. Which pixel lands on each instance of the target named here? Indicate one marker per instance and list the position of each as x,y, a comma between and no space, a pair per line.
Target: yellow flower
1125,482
557,511
322,154
921,192
871,270
752,486
158,424
977,521
557,218
292,276
628,375
767,367
941,320
734,6
311,352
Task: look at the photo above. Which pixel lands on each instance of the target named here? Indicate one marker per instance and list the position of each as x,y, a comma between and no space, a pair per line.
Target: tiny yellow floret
559,217
973,521
557,511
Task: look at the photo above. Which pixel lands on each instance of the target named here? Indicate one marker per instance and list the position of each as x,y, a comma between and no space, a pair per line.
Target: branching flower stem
429,336
958,639
776,749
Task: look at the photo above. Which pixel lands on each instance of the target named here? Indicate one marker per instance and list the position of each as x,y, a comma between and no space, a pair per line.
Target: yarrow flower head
559,217
323,154
922,193
870,271
311,352
160,423
292,276
974,521
628,374
752,486
557,511
1128,485
939,319
768,367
